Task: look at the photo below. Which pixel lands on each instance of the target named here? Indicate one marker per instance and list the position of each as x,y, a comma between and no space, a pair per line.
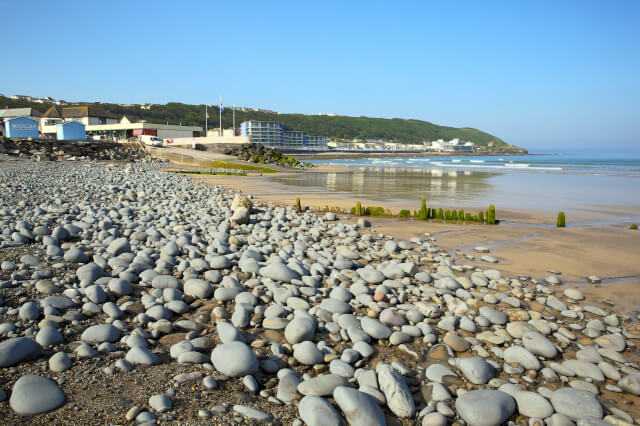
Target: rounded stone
100,333
29,312
359,408
523,357
141,355
434,419
227,332
198,289
160,403
279,272
301,328
485,407
48,336
76,255
495,317
456,342
16,350
537,344
59,362
34,395
119,246
165,281
576,403
234,359
250,412
531,404
321,385
307,353
392,384
476,370
317,411
630,383
375,328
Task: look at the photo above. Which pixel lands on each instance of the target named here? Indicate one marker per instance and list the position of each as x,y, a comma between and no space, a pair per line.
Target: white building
273,135
454,145
87,115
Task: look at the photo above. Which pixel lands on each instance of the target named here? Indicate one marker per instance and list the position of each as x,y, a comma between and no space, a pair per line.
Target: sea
549,181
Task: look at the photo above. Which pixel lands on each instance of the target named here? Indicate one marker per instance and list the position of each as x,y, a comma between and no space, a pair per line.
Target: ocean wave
488,166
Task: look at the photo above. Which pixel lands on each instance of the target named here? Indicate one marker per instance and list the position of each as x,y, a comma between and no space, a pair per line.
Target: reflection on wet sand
471,188
398,183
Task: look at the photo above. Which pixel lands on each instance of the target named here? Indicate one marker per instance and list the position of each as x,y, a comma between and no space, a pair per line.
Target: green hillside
335,127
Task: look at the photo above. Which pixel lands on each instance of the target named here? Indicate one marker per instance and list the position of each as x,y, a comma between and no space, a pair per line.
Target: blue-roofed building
21,127
71,131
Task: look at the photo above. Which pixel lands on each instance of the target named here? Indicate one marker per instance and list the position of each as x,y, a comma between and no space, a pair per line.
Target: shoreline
288,184
607,252
248,301
402,154
526,240
264,188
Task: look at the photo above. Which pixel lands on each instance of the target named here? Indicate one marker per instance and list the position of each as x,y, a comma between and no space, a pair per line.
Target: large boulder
241,201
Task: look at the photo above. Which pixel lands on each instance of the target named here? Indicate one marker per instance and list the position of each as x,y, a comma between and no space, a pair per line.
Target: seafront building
454,145
101,123
273,135
374,145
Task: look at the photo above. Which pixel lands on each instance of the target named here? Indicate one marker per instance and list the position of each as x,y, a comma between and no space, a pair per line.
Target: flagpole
206,121
233,108
220,109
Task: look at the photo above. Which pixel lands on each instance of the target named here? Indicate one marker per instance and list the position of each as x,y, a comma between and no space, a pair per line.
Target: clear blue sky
539,74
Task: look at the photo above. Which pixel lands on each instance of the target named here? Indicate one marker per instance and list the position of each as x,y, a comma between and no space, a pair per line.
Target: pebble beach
131,295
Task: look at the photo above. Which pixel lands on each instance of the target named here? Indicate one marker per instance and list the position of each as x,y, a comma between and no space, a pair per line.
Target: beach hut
21,127
71,131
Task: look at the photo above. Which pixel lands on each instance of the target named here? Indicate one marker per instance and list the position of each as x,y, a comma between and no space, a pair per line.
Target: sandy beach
164,292
526,243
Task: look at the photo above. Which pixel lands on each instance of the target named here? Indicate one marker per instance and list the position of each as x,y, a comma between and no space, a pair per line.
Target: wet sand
265,189
576,252
526,243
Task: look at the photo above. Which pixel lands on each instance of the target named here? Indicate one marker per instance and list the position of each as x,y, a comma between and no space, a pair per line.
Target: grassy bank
228,169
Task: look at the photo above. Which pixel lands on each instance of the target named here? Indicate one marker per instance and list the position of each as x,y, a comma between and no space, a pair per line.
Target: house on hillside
21,98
